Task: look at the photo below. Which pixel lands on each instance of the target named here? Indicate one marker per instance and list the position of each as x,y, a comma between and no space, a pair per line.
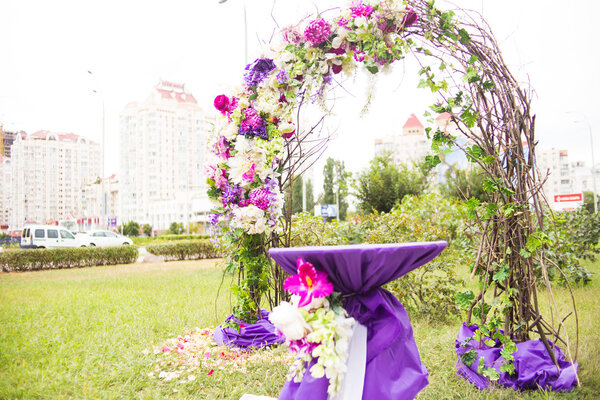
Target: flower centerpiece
315,326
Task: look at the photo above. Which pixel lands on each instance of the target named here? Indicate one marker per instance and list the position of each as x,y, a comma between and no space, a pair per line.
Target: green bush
38,259
185,250
143,241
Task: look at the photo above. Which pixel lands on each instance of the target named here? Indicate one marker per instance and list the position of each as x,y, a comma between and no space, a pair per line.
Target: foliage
465,184
184,250
309,230
140,241
175,228
383,184
147,229
588,201
39,259
328,182
293,197
131,228
310,197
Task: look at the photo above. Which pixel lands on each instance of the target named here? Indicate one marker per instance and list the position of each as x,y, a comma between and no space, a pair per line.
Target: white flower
286,127
250,218
289,321
337,42
360,21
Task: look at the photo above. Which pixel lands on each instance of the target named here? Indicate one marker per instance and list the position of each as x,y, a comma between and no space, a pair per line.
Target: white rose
360,21
337,42
289,321
286,128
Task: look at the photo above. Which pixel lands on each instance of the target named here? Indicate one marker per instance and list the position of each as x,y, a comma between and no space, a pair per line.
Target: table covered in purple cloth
393,366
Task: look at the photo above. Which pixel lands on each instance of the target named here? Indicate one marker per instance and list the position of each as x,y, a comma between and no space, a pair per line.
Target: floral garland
248,140
315,326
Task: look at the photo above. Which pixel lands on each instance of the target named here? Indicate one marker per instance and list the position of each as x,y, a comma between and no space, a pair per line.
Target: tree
147,229
328,182
383,183
310,197
464,184
131,228
588,201
175,228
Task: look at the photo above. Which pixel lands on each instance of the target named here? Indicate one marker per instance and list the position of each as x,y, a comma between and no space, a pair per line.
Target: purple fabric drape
260,334
394,369
533,366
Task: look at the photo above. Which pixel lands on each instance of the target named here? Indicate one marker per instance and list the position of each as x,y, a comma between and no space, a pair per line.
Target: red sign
561,198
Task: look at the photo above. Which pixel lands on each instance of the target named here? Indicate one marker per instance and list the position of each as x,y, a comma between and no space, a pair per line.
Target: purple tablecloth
534,368
260,334
394,369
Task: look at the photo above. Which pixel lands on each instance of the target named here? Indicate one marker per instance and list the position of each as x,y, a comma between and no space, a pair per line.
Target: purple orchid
258,71
309,283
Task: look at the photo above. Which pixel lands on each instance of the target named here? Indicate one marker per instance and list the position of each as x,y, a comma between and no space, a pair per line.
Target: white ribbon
354,380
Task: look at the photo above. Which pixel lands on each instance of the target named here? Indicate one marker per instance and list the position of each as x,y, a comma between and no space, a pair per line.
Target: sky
48,47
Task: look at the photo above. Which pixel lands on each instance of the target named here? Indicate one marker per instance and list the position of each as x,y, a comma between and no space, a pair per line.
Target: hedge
38,259
165,238
185,249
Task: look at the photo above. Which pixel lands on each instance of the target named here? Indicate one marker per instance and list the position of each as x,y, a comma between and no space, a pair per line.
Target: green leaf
464,36
432,160
502,274
509,209
488,85
472,205
491,209
373,69
473,59
474,152
533,243
471,75
468,117
469,357
290,94
490,185
254,96
524,253
464,299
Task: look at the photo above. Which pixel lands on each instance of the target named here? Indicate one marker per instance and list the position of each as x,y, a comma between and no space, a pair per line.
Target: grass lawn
88,334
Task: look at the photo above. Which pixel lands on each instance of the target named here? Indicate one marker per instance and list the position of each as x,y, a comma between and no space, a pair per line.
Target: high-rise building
6,141
49,172
5,190
553,165
163,142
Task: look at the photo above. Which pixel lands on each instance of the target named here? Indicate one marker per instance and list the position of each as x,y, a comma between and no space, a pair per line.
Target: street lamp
245,31
103,213
593,161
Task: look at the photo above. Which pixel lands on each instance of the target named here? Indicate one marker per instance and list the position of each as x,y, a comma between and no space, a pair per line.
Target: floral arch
257,144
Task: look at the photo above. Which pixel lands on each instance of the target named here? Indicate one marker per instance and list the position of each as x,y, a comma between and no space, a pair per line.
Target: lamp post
245,31
587,122
103,194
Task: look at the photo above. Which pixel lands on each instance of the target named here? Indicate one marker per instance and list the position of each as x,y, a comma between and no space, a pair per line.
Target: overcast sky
47,48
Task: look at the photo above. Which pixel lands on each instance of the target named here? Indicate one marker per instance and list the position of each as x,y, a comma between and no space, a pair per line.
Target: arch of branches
259,147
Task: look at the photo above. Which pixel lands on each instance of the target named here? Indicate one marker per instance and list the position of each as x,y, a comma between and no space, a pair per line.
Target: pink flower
260,198
336,68
410,18
252,119
291,35
210,372
249,175
343,22
359,56
317,31
309,283
224,104
221,179
361,10
166,350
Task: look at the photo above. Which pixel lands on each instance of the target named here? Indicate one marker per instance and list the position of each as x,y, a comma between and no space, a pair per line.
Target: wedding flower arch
253,139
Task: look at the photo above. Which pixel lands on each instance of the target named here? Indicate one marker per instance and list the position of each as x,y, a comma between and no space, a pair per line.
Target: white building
93,213
408,146
5,191
49,172
162,157
554,164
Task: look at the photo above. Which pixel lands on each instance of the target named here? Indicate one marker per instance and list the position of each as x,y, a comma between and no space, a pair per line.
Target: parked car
104,238
48,236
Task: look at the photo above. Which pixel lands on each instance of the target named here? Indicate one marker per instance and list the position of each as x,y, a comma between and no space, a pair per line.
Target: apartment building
163,143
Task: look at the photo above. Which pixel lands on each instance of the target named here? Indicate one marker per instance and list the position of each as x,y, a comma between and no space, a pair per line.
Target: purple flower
302,346
253,124
260,197
343,22
213,218
258,71
231,194
410,18
282,76
308,283
317,31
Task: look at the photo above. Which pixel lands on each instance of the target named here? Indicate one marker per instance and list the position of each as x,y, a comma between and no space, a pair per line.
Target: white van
48,237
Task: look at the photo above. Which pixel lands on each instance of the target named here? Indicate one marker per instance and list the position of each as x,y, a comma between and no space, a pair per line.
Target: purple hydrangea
258,71
260,197
231,194
317,31
282,76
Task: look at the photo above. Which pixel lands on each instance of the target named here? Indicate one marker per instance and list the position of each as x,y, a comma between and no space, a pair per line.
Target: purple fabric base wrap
260,334
534,368
394,369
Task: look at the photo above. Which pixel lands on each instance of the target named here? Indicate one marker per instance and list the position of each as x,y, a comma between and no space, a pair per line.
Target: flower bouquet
316,327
